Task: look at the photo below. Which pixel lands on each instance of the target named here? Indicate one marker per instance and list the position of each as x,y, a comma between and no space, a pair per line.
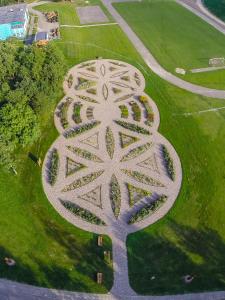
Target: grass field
67,11
190,239
176,38
217,7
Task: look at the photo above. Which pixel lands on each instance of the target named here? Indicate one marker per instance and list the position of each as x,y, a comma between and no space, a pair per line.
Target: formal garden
107,175
188,240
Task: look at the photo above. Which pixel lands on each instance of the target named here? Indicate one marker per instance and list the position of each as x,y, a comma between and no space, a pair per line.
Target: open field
172,35
217,7
190,239
67,11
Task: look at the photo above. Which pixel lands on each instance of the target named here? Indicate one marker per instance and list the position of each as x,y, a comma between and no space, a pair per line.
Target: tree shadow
196,252
88,258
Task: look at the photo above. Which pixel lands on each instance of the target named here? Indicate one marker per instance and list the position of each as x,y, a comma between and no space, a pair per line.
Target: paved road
197,8
152,62
17,291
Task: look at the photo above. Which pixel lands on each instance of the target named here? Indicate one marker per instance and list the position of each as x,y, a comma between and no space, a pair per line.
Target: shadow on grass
88,257
196,252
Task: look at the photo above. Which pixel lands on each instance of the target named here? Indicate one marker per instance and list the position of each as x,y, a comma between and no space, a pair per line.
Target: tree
18,125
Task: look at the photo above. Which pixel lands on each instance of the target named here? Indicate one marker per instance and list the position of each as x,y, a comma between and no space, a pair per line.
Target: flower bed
149,115
137,79
168,162
62,112
136,194
142,178
123,98
76,112
126,140
80,129
53,167
82,181
84,84
147,210
115,195
124,111
110,142
136,111
70,81
136,152
132,127
82,213
84,154
86,98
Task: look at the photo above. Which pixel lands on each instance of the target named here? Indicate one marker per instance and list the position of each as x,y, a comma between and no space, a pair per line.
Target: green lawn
67,11
176,38
49,251
217,7
191,239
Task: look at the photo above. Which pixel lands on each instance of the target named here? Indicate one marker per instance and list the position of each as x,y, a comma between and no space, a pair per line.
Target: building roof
12,13
40,36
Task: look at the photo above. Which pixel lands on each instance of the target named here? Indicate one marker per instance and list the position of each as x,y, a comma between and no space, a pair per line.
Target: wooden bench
99,278
100,241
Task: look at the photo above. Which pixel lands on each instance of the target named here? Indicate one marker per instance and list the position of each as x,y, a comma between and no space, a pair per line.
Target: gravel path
112,83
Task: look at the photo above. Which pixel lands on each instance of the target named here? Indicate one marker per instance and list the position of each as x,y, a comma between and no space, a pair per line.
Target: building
13,21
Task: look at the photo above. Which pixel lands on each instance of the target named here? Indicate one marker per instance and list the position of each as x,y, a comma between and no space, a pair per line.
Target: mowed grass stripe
176,38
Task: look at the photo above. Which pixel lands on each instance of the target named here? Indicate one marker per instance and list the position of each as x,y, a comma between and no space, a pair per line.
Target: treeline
29,76
9,2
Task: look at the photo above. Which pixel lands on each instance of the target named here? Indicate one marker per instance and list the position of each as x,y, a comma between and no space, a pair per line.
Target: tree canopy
29,76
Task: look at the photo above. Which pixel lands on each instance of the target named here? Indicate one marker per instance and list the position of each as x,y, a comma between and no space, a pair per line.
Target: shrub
62,112
142,178
76,112
136,151
70,81
147,210
82,181
82,213
53,167
136,111
148,110
115,195
80,129
124,111
132,127
84,154
110,142
168,163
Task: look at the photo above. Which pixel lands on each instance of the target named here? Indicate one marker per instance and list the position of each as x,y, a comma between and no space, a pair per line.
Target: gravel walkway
112,84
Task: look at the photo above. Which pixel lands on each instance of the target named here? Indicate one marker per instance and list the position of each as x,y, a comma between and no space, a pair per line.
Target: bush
82,181
80,129
53,167
82,213
136,151
147,210
132,127
136,111
70,81
62,113
168,162
85,154
115,195
124,111
76,112
110,142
